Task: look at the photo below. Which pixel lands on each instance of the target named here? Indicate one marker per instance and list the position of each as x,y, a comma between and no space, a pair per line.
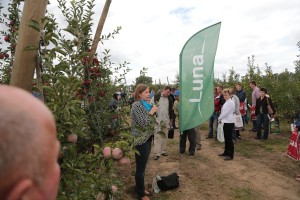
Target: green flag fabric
196,73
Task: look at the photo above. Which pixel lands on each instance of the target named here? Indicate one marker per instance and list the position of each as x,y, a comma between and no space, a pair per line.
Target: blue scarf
146,105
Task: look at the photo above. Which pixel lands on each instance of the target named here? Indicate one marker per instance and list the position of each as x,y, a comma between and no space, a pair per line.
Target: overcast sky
154,32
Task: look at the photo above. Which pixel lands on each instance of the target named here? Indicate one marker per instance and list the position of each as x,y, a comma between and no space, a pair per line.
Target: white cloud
154,32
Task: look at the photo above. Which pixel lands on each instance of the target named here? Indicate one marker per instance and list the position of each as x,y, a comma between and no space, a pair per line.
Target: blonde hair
226,91
138,90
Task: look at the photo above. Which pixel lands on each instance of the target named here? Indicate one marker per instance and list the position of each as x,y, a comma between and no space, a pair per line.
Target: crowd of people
28,177
163,106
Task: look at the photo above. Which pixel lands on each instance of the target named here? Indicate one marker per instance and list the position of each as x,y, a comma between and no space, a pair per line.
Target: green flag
196,73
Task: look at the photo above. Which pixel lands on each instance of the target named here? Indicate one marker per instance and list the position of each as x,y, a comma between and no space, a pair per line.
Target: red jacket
217,103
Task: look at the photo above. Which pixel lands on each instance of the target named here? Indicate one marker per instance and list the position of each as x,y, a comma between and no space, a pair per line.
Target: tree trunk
99,30
25,61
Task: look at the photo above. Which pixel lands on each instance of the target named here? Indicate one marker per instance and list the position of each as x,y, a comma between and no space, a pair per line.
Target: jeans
254,122
262,119
229,148
212,119
234,135
141,162
191,135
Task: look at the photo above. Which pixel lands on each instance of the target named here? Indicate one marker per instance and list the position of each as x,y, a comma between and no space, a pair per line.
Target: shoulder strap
268,101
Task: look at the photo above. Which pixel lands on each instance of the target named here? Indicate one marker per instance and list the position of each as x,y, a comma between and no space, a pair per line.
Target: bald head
28,136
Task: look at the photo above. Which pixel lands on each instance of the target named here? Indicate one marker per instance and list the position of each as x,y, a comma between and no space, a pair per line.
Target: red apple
124,161
114,189
6,38
106,152
72,138
117,153
102,93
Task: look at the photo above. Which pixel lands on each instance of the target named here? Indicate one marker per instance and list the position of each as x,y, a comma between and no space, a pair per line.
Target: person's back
28,147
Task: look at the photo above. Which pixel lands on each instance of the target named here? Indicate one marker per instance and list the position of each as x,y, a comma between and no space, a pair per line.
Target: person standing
261,113
191,135
217,108
141,113
255,95
227,118
176,106
172,95
235,132
241,94
164,118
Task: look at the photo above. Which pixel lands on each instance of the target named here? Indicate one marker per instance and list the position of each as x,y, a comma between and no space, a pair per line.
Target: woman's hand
153,110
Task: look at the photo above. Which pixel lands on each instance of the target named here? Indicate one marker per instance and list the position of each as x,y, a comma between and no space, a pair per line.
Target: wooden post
25,61
99,30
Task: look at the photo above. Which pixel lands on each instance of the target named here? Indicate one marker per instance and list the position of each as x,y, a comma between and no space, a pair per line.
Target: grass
245,194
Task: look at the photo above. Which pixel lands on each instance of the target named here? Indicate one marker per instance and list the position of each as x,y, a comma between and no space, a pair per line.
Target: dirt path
207,176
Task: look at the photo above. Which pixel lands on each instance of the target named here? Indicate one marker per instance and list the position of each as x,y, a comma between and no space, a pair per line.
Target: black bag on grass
168,182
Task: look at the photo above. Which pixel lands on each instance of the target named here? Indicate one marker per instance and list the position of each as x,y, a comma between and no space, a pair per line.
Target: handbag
220,133
171,133
294,146
238,122
168,182
274,126
242,108
270,110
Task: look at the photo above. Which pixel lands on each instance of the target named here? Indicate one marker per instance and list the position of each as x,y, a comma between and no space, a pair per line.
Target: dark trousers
213,119
262,119
229,148
254,122
174,120
141,163
191,135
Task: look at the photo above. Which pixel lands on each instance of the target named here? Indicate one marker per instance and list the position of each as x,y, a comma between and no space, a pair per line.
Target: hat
176,93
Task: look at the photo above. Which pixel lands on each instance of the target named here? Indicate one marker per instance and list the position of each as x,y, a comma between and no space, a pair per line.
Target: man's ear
20,189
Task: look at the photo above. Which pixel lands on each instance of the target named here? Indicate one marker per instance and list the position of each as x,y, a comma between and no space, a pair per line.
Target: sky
154,33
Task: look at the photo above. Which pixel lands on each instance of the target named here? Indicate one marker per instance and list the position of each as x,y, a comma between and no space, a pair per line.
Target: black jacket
156,99
263,103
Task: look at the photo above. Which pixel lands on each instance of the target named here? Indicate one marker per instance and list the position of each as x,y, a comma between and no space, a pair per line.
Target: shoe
239,137
156,157
148,193
144,198
228,158
257,138
198,148
164,154
209,138
191,154
222,154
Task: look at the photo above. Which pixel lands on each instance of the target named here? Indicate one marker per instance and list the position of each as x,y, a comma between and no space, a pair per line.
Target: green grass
245,194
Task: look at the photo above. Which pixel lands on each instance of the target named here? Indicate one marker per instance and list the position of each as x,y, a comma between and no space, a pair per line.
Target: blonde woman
227,118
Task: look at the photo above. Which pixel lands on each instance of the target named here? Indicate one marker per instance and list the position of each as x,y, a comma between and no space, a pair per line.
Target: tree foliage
78,94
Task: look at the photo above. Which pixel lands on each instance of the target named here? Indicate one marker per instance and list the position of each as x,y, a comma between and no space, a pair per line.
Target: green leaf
34,24
30,48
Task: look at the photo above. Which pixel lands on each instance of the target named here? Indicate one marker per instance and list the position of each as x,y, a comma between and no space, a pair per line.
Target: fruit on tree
106,152
72,138
124,161
114,189
6,38
117,153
